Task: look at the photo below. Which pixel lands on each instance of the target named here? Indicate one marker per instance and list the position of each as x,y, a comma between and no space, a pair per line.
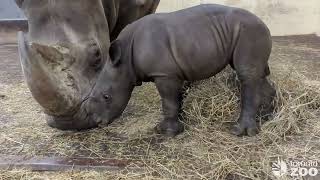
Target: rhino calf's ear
19,3
115,53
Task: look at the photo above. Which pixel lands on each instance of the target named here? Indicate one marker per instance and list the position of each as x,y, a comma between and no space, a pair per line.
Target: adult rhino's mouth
79,120
56,85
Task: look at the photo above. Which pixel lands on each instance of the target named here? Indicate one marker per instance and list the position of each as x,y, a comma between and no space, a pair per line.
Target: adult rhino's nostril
97,53
97,62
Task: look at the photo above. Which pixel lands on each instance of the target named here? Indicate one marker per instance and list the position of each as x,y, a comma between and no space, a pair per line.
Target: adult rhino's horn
48,77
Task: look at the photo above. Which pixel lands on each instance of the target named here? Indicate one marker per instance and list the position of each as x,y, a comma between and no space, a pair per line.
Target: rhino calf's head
114,86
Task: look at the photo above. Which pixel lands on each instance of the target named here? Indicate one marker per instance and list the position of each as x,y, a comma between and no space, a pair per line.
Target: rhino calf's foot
170,128
248,127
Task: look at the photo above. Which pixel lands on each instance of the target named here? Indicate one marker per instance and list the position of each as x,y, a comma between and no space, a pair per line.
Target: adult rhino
66,46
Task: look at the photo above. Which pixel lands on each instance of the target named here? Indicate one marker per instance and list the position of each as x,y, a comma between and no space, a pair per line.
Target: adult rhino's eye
106,97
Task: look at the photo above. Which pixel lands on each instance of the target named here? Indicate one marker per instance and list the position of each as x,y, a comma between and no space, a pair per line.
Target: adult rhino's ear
155,4
115,53
19,3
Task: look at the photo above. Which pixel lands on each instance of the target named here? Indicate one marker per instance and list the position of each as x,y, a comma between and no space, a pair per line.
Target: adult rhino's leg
171,92
251,64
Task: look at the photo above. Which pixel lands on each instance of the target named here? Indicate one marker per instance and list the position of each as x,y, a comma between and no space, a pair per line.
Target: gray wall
9,10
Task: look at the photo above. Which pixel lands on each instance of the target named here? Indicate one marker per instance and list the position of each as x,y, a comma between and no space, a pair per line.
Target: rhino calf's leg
171,92
250,60
254,89
268,94
250,102
182,95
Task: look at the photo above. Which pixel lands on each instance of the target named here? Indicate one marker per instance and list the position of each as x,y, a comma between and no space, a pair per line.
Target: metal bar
14,19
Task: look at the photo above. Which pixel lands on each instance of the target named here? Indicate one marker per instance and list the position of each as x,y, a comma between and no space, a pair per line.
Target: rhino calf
188,45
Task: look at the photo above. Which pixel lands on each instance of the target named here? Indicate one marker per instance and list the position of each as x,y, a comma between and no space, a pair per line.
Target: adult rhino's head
61,56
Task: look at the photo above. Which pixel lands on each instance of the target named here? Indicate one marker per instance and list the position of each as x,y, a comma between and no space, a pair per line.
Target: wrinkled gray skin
65,49
183,46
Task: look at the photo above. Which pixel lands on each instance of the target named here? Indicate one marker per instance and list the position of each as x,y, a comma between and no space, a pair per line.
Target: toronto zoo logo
295,168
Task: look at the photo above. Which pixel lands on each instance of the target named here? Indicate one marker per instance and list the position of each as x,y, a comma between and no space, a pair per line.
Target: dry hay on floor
206,150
